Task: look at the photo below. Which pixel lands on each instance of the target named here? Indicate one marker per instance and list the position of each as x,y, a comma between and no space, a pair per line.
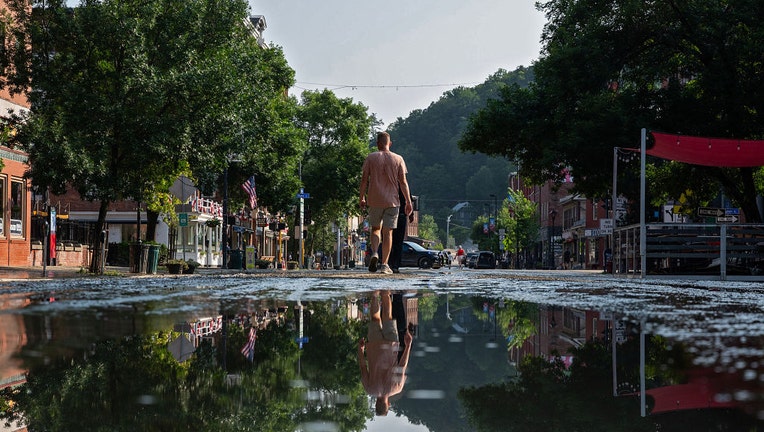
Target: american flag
249,348
249,188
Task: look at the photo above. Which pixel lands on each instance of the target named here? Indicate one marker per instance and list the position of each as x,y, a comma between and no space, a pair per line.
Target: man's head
383,140
382,406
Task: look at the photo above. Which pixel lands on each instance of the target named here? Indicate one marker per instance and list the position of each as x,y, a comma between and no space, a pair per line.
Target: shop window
18,194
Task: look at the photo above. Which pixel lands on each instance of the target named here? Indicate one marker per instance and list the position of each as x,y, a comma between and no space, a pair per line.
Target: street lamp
552,215
495,221
448,225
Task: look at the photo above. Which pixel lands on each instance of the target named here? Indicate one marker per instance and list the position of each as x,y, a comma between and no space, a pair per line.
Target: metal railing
692,250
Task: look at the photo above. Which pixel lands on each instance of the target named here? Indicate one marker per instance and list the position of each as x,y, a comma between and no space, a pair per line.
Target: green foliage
439,171
338,133
127,95
428,229
609,69
523,221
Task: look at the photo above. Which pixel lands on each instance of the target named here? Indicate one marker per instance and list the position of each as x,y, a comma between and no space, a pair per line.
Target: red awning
716,152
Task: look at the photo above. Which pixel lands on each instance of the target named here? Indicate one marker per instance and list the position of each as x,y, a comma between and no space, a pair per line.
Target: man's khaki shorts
384,330
387,217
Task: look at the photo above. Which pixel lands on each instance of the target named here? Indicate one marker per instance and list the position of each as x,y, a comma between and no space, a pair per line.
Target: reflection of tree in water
135,384
549,397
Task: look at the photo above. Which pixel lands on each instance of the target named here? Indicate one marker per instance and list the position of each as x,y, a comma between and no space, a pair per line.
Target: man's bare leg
375,239
387,306
375,313
387,244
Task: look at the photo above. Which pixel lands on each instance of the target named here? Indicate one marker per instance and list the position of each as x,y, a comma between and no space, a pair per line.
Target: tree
428,228
523,224
338,136
125,94
610,68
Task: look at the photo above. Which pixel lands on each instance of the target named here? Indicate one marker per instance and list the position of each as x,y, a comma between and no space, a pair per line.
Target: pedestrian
383,368
383,173
460,256
399,234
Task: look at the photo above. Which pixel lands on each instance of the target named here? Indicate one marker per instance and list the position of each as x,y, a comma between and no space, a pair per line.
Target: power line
382,86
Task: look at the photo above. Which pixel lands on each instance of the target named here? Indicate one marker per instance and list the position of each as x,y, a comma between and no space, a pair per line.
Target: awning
716,152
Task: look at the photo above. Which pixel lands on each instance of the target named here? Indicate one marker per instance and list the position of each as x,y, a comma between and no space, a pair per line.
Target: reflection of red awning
716,152
696,395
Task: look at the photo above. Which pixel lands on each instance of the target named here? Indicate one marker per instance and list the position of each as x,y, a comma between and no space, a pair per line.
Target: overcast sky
400,55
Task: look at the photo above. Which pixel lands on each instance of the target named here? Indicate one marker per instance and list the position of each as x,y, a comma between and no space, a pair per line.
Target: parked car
470,259
414,255
485,260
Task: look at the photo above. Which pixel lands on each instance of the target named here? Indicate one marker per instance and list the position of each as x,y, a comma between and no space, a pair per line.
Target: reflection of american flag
249,188
249,348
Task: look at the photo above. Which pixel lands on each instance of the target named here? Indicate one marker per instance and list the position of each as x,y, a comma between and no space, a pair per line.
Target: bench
270,258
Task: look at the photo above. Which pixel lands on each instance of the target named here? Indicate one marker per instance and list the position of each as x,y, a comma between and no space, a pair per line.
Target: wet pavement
490,350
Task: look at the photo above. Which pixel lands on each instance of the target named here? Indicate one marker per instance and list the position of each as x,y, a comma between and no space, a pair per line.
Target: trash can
138,257
152,261
235,259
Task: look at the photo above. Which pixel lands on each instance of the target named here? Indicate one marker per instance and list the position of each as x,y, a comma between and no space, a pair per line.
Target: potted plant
176,266
262,264
191,266
292,265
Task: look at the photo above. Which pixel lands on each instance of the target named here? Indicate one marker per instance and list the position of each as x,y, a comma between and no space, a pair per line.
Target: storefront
15,209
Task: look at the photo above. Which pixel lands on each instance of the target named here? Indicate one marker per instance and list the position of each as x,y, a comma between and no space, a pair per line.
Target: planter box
174,268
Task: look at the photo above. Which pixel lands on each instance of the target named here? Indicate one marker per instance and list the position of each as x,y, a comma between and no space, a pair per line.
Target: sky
400,55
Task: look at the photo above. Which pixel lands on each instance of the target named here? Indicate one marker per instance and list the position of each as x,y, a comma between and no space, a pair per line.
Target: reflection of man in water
383,374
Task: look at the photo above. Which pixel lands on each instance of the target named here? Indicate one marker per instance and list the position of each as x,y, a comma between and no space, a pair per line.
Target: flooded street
279,351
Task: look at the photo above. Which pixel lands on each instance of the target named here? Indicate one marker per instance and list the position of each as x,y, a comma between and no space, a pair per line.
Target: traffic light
307,216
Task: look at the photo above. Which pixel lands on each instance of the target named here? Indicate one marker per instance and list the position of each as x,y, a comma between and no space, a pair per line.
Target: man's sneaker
373,263
385,269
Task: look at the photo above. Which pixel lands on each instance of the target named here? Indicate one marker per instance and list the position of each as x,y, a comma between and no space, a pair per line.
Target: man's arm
362,362
404,361
406,193
364,186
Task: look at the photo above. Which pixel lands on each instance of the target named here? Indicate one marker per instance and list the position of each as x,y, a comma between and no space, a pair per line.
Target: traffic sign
710,211
727,219
183,219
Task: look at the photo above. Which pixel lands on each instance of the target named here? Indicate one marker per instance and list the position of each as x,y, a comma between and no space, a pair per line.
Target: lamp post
552,215
448,226
495,221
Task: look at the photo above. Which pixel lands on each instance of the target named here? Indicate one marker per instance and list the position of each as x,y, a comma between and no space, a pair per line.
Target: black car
485,260
470,259
414,255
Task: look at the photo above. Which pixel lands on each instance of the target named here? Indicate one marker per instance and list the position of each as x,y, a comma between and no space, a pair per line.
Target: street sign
710,211
303,195
727,219
183,219
594,233
732,211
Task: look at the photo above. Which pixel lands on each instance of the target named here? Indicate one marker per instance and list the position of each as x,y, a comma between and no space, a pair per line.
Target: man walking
384,172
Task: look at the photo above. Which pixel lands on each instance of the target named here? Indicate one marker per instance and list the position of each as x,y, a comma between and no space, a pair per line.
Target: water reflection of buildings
13,337
558,330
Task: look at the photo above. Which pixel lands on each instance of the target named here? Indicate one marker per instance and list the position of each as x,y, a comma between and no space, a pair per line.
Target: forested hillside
438,171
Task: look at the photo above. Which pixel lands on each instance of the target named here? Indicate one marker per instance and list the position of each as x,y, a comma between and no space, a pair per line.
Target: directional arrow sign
710,211
727,219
